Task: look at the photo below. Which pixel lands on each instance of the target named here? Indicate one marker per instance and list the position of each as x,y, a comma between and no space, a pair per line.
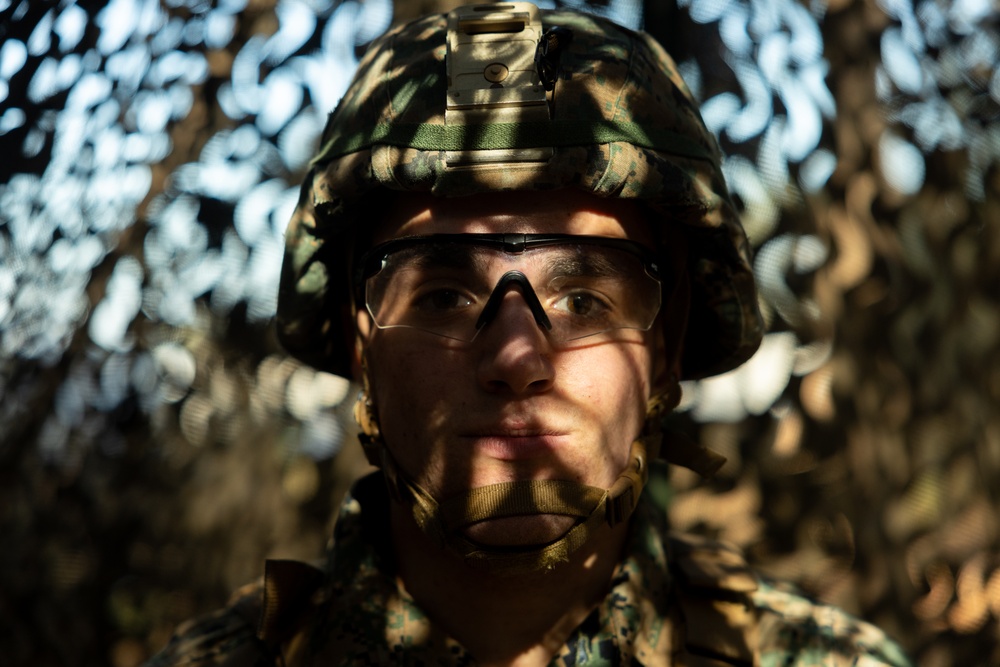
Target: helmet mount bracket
493,80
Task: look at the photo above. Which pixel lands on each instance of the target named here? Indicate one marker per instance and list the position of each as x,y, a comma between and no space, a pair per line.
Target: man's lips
512,443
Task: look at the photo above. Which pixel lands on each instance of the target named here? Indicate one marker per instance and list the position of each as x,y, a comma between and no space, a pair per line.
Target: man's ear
362,335
673,324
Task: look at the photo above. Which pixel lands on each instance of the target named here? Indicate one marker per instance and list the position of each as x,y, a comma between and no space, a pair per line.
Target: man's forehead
555,212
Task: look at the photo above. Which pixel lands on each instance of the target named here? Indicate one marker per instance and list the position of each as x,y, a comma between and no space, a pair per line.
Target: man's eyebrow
593,265
444,255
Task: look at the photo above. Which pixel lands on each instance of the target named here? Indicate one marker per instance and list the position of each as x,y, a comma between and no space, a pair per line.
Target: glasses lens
442,287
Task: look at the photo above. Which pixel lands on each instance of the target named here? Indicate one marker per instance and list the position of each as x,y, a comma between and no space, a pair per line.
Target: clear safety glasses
453,285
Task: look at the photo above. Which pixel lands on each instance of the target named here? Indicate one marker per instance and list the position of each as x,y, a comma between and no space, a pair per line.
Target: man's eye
583,304
442,301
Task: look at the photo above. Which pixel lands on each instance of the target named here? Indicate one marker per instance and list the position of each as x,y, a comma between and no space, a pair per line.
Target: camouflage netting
156,445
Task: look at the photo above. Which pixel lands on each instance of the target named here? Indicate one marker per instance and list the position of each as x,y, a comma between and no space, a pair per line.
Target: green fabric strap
520,498
594,507
536,560
528,134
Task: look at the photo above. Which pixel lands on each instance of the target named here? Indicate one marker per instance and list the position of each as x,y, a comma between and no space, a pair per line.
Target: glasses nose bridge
508,281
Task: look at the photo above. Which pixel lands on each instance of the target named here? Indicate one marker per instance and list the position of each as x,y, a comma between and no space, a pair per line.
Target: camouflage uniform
673,601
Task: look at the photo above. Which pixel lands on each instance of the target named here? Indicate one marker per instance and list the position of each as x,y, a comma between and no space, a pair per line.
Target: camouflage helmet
507,97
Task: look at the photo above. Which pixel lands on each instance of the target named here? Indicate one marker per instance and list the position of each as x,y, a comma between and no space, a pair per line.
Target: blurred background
156,444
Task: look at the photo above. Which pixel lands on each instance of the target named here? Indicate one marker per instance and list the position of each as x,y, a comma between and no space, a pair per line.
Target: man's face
513,404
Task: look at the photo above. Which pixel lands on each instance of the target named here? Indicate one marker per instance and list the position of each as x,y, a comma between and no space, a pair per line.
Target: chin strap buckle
623,495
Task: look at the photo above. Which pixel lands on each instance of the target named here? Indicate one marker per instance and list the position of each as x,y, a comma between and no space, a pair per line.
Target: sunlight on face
510,405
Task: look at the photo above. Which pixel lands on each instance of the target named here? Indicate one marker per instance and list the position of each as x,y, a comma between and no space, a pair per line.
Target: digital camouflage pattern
673,601
623,124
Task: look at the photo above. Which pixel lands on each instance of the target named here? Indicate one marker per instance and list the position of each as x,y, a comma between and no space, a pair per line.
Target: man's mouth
514,442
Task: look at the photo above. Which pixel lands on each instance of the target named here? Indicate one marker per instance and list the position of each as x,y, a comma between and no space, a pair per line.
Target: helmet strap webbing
591,506
680,449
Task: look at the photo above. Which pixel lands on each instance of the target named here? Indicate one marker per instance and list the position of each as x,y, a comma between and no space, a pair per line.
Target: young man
517,236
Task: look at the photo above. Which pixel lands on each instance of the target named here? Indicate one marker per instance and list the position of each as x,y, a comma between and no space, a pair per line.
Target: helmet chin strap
446,521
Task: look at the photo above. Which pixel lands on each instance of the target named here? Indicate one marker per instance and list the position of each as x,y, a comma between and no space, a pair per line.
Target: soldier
516,235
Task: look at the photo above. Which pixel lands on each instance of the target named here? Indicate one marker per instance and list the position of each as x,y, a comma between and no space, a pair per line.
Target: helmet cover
617,122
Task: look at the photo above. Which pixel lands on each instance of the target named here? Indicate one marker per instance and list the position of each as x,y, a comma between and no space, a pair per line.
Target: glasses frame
373,261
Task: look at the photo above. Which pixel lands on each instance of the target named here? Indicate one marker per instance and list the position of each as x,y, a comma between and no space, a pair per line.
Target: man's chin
520,531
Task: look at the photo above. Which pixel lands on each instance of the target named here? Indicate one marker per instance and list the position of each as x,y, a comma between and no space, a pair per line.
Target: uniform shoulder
224,638
796,631
732,612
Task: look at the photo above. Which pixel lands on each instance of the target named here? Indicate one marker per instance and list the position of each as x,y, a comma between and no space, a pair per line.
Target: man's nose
516,356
